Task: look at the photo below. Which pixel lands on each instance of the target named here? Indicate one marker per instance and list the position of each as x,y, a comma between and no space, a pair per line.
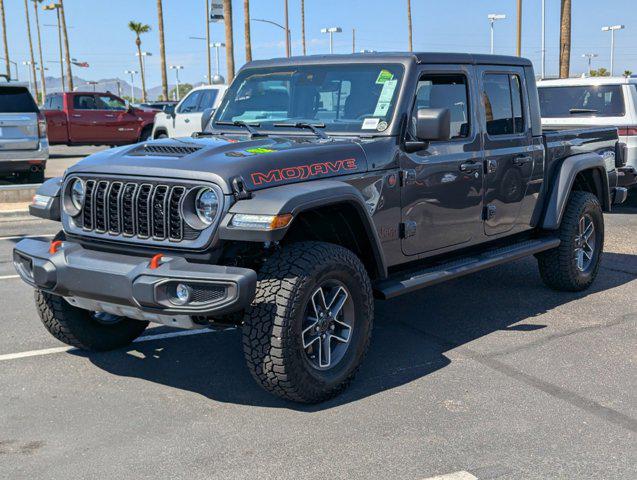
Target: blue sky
99,33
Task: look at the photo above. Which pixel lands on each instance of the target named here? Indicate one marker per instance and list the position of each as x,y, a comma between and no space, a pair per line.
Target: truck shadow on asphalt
411,337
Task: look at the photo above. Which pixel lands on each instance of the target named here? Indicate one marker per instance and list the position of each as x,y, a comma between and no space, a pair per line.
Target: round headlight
206,205
77,194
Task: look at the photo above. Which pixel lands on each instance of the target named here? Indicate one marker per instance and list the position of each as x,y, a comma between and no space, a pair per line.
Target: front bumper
127,285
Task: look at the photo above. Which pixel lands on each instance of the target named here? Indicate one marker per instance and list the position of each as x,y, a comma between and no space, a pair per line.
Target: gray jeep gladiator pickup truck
319,184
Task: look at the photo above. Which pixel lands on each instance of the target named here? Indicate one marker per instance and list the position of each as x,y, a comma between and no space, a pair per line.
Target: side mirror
169,110
433,124
205,118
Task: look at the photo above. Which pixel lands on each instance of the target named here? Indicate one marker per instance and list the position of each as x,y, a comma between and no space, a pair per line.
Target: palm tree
162,50
4,38
37,26
411,44
138,28
33,74
303,26
248,40
227,18
67,59
565,39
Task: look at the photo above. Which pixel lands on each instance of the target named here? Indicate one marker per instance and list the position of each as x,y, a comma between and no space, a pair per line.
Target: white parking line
20,237
7,277
145,338
454,476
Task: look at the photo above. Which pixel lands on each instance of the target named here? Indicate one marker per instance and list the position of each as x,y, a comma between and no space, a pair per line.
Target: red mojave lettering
302,172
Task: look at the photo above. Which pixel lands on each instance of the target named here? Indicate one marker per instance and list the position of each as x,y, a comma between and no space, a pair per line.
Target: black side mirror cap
433,124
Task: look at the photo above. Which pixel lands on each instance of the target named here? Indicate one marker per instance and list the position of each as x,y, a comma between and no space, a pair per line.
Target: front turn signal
261,222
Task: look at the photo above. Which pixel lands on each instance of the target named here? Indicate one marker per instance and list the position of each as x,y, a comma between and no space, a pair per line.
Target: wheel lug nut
317,329
331,327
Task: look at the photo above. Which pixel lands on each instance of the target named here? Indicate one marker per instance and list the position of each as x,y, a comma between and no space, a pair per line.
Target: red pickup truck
94,118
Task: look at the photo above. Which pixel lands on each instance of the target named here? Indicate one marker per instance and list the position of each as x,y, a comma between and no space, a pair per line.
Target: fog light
182,294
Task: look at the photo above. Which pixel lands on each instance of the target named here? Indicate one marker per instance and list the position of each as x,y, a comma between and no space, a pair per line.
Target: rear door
18,119
510,152
188,116
87,124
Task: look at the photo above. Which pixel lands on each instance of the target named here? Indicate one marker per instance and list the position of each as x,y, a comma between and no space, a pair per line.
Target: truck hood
261,163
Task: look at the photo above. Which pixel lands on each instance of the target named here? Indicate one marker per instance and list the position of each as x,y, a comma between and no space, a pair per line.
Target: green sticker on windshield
384,76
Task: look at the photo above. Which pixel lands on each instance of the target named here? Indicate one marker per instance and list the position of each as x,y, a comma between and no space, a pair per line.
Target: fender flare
50,188
563,184
295,199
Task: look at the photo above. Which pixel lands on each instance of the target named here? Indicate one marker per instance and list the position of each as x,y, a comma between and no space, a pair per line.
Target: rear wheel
83,329
574,265
310,324
146,134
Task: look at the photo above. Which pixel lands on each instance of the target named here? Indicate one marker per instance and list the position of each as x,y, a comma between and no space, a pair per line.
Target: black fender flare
295,199
562,186
50,188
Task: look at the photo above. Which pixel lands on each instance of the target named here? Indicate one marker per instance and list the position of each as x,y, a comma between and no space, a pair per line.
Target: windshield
582,101
341,98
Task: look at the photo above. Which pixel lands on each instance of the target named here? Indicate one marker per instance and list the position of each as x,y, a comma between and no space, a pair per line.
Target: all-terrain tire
272,338
78,328
558,267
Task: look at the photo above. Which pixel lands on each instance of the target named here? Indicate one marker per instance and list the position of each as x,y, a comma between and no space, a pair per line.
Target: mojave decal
302,172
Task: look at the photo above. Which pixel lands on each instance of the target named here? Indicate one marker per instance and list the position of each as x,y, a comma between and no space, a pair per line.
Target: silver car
24,148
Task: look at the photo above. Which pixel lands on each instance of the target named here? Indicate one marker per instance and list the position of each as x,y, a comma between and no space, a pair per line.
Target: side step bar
402,284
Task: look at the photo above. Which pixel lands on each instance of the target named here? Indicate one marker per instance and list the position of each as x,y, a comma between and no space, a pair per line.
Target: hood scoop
156,150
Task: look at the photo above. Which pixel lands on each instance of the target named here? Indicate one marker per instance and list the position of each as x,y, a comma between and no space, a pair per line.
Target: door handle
77,115
186,120
109,116
470,167
521,161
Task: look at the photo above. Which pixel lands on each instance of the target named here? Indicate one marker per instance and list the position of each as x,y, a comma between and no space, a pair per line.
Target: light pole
132,74
493,17
176,68
144,55
285,30
217,77
590,57
543,39
331,31
612,29
56,7
15,64
28,64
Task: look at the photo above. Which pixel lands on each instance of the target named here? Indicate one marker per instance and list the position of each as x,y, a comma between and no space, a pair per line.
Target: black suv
320,184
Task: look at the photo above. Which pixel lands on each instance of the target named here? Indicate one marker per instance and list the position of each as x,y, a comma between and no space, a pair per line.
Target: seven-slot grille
142,210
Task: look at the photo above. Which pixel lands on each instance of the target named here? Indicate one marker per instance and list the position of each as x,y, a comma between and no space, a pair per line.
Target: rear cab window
503,107
17,100
582,101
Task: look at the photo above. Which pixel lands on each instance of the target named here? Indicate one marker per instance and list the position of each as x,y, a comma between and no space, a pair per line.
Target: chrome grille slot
99,208
149,211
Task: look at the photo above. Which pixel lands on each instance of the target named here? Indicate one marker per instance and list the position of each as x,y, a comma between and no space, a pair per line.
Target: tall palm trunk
227,15
248,40
4,38
565,39
42,75
138,42
162,50
303,26
411,44
67,53
33,74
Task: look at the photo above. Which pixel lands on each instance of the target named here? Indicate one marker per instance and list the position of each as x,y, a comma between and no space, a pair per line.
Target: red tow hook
55,246
155,262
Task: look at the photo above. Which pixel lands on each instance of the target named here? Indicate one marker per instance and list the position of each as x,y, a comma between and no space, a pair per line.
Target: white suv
594,101
186,118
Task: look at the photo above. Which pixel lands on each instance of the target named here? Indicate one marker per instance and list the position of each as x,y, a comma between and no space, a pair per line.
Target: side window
502,99
84,102
56,102
207,99
189,105
106,102
445,91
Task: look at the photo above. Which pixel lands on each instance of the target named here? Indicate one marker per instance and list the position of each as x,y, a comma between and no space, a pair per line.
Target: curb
17,193
14,215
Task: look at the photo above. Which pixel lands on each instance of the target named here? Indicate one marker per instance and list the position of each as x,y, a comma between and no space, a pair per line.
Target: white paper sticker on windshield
384,100
370,123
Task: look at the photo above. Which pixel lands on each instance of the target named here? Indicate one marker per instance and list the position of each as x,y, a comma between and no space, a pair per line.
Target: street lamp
15,64
144,55
331,31
493,17
217,77
132,74
590,57
56,7
285,30
176,68
612,29
27,64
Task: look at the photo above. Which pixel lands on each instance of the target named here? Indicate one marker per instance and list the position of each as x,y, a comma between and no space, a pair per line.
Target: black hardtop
395,57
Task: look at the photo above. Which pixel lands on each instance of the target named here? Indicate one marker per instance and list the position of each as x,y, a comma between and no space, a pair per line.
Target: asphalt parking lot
492,375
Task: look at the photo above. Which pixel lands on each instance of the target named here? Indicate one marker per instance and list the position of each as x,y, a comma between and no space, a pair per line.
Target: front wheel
310,324
574,265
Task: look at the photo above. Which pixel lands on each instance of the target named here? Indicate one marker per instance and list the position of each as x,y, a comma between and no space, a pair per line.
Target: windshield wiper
309,126
248,126
582,110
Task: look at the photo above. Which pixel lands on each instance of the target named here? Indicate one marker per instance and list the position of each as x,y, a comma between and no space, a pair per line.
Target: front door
188,116
442,183
510,153
120,125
